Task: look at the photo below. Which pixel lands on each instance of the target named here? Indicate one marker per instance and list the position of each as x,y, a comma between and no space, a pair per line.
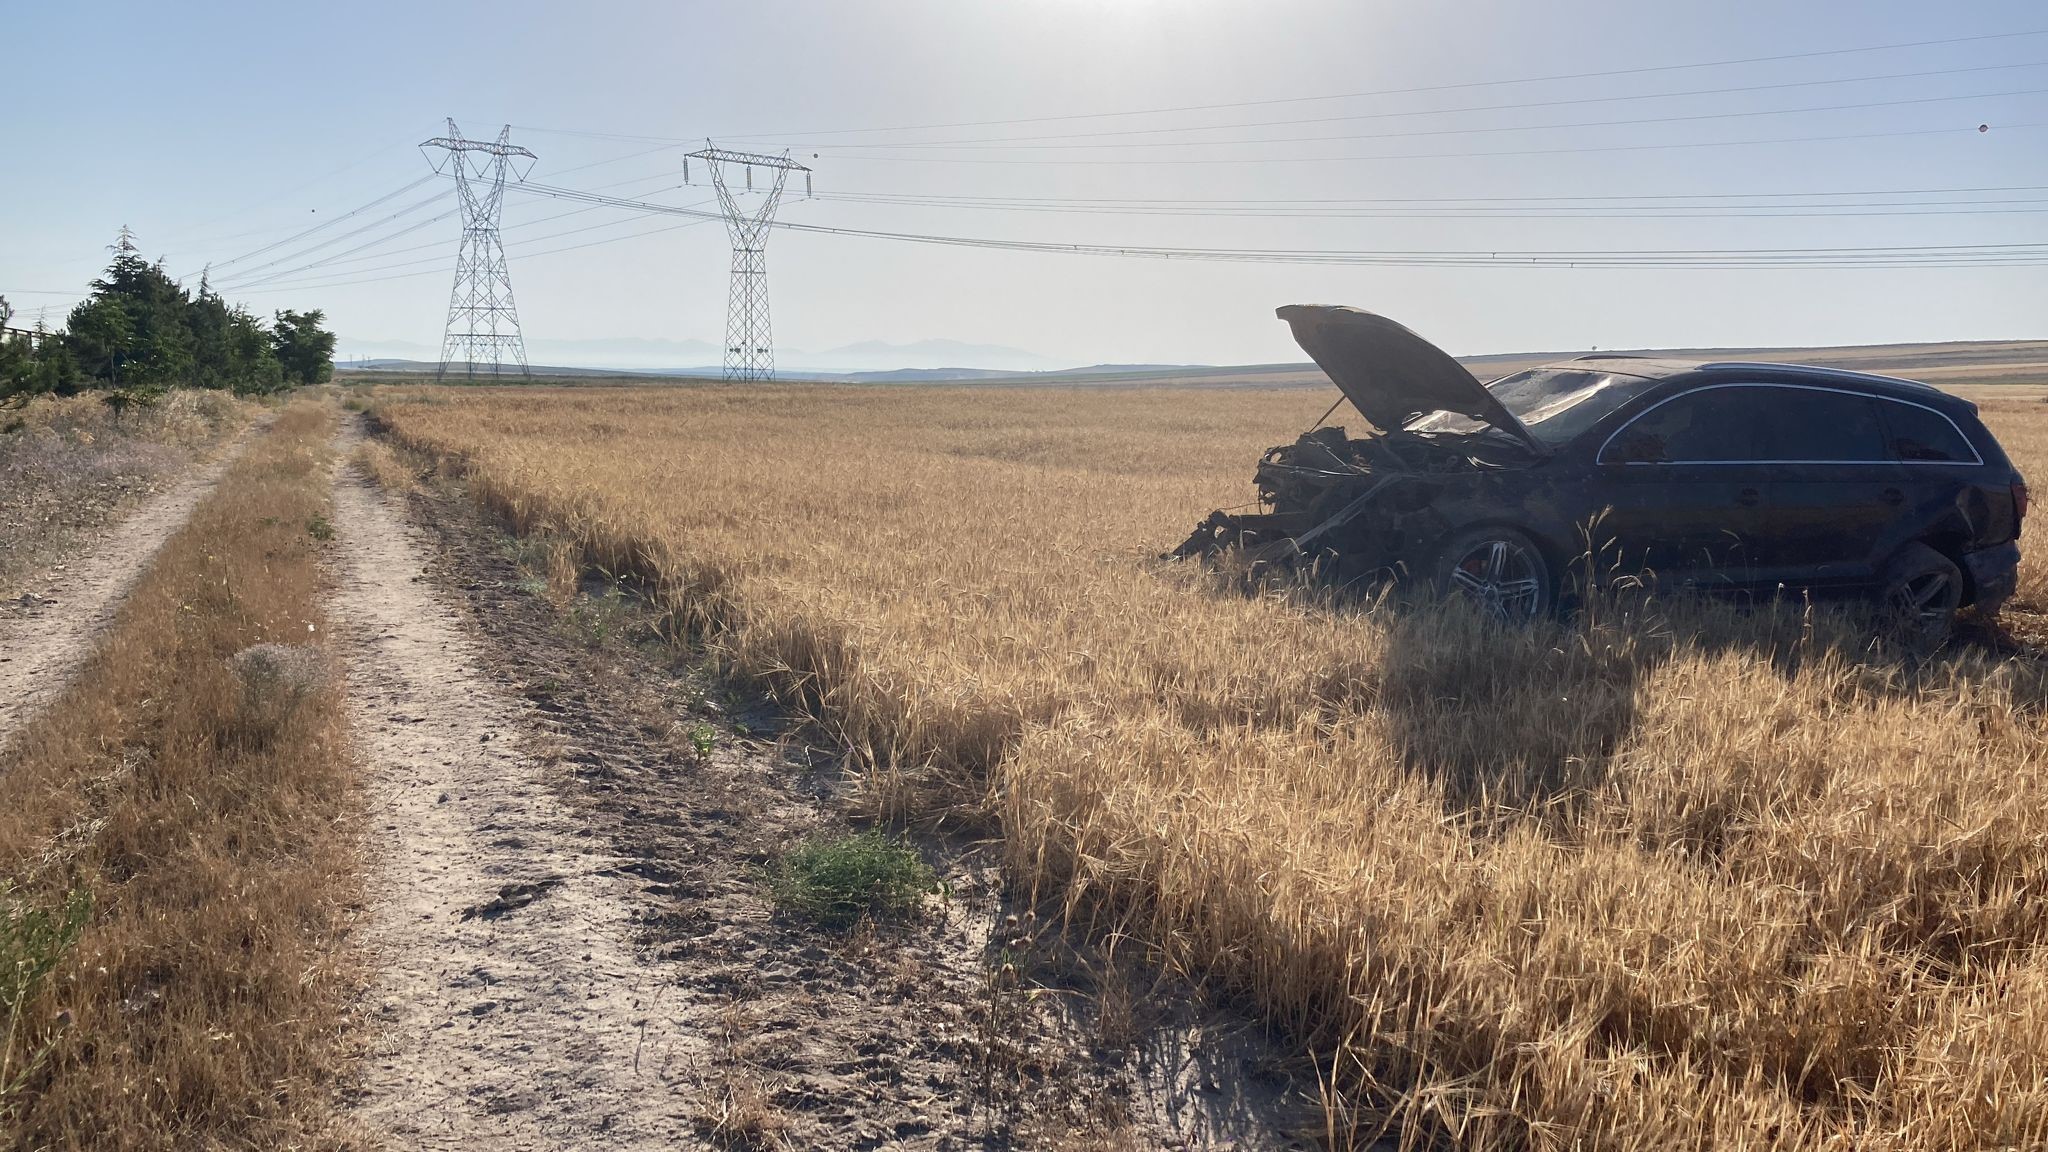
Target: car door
1832,486
1683,490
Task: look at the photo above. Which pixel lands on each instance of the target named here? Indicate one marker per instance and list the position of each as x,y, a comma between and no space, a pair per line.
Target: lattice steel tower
483,324
749,337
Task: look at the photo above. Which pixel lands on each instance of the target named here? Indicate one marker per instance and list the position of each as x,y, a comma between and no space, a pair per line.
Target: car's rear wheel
1499,571
1922,591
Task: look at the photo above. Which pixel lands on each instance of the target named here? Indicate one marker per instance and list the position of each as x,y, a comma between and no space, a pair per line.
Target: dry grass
379,463
1662,880
66,463
742,1114
188,418
199,799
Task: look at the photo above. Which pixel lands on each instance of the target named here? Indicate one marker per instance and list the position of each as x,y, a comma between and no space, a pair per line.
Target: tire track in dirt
896,1034
44,640
493,1023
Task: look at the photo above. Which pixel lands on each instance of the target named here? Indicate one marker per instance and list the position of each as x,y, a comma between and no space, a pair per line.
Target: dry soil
508,1009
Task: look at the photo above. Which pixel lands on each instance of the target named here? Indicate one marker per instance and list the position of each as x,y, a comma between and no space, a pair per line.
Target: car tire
1499,571
1922,591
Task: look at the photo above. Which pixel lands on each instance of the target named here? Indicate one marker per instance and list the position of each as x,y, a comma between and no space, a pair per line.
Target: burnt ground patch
964,1025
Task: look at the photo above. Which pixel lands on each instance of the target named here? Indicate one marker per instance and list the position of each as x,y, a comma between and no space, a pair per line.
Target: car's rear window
1924,435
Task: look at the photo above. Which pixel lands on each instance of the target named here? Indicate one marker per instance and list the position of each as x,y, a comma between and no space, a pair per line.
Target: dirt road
509,1011
650,992
44,638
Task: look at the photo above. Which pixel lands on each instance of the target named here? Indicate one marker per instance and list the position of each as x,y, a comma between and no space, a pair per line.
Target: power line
1449,211
242,284
1572,151
438,264
322,284
271,199
324,224
1441,207
436,198
1515,106
1459,86
622,159
1427,132
415,184
245,282
1602,197
1970,255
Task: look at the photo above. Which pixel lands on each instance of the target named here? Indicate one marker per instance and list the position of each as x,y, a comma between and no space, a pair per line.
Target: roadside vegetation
70,463
176,844
839,880
1671,877
141,334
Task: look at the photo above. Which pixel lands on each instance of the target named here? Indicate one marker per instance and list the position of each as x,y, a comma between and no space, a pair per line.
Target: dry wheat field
1670,877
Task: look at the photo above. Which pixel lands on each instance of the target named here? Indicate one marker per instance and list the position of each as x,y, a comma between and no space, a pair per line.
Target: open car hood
1390,374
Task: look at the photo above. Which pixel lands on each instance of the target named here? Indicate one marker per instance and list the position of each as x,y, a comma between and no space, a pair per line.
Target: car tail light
2019,503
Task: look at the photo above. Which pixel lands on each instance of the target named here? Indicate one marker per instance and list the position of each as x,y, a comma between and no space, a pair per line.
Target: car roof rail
1823,371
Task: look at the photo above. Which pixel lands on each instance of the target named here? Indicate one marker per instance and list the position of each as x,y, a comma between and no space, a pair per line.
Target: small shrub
275,680
319,529
837,880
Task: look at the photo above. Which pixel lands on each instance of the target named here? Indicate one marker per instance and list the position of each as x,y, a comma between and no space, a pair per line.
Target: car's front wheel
1922,591
1499,571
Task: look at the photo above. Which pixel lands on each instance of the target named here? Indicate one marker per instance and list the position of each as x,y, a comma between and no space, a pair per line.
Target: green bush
837,880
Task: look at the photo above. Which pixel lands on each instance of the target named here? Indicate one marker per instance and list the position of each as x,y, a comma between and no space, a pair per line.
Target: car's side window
1924,435
1767,423
1816,425
1712,425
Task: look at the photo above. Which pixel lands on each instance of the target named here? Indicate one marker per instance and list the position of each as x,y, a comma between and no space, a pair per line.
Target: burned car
1714,476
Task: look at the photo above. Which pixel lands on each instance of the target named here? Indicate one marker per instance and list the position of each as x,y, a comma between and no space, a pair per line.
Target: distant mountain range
713,371
879,356
1947,363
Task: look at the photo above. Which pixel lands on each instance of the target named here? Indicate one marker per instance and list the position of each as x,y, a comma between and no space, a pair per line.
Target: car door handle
1892,496
1748,497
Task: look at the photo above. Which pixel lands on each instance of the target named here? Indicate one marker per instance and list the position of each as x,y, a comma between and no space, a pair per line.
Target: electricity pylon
749,337
483,324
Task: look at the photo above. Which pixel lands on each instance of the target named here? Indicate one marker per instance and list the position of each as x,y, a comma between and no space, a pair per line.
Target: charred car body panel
1712,475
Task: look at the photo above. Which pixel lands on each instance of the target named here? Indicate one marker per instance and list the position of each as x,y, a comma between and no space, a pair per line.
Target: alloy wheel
1502,579
1925,603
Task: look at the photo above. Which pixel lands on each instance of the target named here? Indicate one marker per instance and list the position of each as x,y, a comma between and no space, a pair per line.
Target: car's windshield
1556,404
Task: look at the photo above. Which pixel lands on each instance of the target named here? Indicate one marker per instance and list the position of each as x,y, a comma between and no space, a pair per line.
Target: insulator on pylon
750,177
686,169
807,185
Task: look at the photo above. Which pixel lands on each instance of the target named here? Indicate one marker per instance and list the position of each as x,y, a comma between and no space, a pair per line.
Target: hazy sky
214,130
